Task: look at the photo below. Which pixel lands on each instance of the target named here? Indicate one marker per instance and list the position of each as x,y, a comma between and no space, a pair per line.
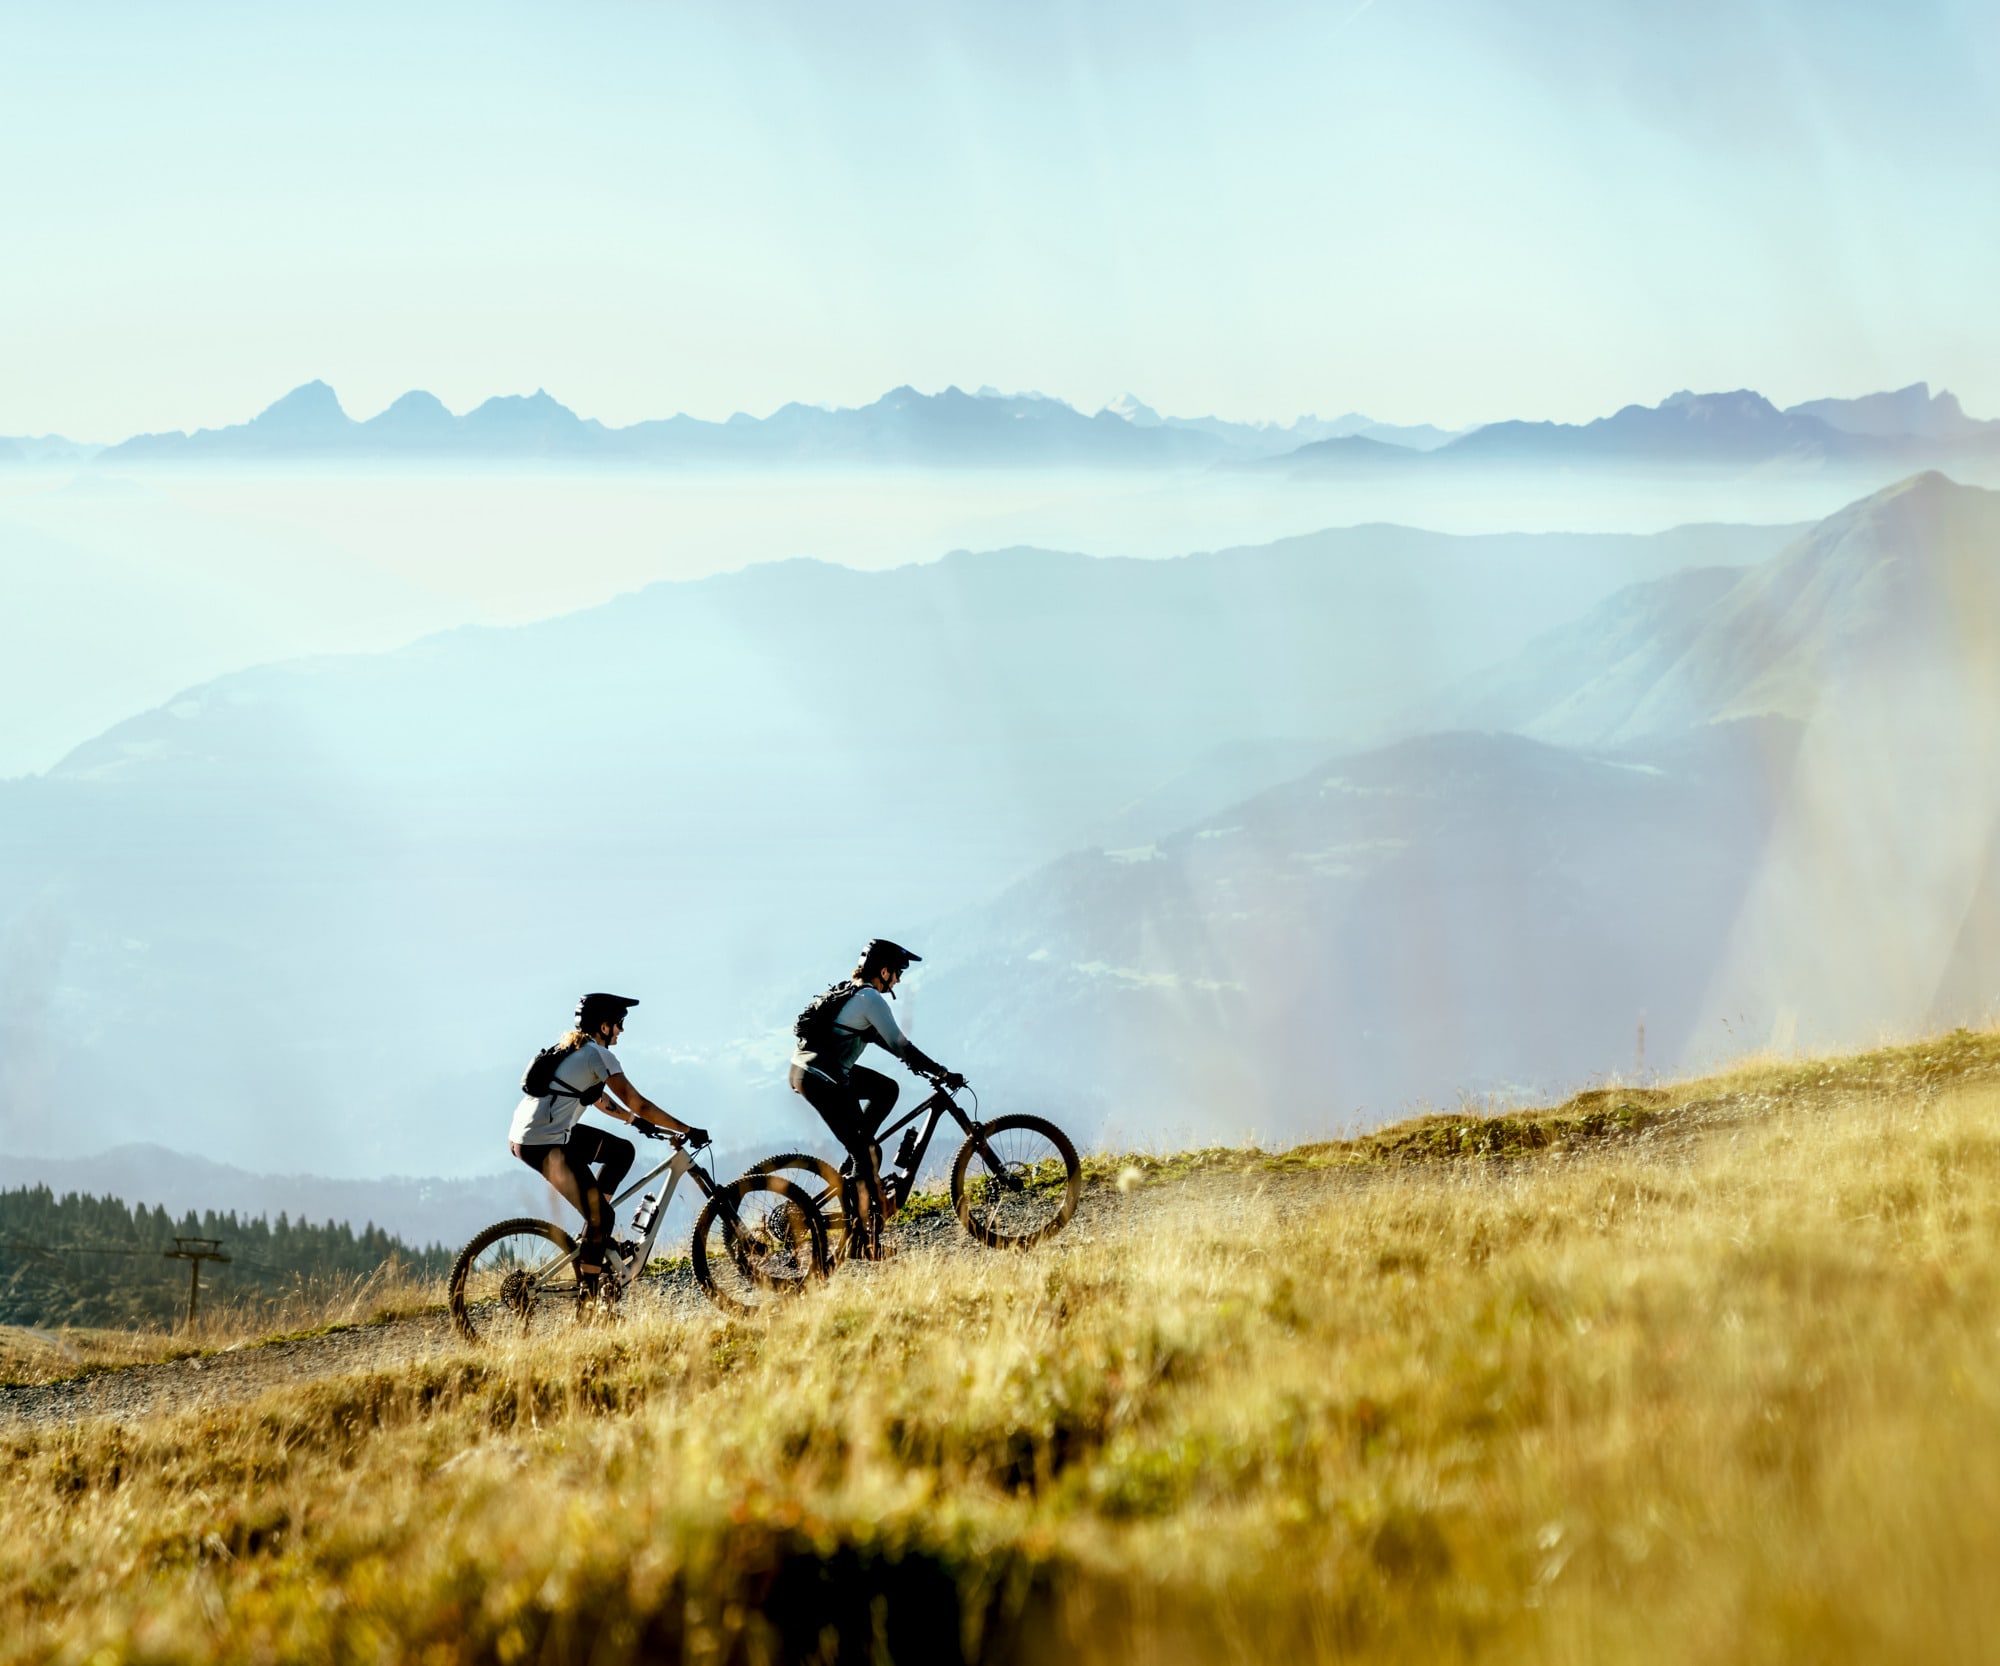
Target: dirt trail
237,1373
247,1370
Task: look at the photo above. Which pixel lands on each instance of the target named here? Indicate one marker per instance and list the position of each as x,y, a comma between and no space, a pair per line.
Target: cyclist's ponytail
573,1040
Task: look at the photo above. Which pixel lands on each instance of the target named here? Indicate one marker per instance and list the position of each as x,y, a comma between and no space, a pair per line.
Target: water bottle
642,1217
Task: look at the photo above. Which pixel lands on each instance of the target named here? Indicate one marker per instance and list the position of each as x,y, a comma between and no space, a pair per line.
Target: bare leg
582,1195
557,1172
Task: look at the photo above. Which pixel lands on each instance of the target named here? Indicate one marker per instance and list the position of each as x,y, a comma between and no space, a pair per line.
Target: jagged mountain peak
415,412
1909,411
311,405
1737,402
540,401
1135,411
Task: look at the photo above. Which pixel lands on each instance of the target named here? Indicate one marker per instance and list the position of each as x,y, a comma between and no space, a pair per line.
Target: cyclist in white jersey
583,1163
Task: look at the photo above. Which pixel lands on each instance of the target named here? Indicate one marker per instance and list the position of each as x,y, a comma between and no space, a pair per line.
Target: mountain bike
1015,1181
757,1241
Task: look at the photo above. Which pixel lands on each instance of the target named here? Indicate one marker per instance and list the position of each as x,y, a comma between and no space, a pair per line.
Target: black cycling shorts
600,1160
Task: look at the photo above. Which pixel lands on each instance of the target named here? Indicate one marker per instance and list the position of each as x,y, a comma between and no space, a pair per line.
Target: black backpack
538,1081
813,1027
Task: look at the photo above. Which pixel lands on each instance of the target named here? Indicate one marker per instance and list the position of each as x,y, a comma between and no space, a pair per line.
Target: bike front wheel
1016,1182
758,1241
516,1279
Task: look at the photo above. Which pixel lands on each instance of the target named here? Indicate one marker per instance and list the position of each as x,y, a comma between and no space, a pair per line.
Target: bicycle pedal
597,1297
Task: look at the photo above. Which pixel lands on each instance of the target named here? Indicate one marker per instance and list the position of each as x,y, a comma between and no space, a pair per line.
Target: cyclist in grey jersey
863,1019
851,1099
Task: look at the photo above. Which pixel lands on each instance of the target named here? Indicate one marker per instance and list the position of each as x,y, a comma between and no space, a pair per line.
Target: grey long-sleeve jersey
865,1017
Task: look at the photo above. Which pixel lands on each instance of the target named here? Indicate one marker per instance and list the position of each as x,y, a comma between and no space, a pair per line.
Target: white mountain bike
757,1241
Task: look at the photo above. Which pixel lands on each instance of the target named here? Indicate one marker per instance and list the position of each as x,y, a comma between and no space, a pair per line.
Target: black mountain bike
1015,1181
757,1241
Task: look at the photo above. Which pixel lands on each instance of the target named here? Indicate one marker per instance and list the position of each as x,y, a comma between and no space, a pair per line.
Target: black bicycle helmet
598,1008
881,955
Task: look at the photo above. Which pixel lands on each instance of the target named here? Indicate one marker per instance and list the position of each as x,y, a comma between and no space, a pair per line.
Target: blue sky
1445,210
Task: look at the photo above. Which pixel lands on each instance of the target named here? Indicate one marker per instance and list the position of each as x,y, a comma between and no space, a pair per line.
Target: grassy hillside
1709,1372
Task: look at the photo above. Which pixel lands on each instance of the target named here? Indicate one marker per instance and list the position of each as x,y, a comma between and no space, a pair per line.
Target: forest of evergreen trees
76,1260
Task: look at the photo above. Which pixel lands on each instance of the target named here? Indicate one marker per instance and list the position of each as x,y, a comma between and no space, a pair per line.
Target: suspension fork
713,1190
977,1131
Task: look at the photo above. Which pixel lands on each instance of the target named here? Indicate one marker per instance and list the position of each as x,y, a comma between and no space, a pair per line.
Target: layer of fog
121,588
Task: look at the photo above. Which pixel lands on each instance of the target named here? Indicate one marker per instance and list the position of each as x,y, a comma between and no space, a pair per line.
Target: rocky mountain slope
1899,590
1735,807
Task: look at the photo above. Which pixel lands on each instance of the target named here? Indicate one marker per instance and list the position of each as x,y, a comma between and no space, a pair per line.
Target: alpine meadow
1701,1369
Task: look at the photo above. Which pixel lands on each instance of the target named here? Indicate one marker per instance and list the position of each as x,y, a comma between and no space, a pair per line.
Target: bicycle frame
933,1110
680,1165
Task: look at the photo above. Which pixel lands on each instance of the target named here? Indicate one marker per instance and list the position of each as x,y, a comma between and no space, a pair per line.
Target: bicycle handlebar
653,1131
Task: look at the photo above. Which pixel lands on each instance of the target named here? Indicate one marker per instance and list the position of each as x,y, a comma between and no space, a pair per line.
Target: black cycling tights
853,1109
585,1150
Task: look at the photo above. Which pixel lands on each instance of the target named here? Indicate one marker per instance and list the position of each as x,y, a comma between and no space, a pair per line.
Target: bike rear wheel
515,1280
758,1242
823,1185
1031,1194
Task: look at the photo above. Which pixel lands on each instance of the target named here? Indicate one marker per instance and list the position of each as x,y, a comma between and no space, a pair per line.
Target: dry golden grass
1724,1387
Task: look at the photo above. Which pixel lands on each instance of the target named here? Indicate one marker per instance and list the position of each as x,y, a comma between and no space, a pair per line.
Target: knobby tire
1072,1182
527,1227
727,1202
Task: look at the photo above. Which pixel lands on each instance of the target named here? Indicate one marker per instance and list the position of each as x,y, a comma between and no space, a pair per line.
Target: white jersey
863,1017
548,1120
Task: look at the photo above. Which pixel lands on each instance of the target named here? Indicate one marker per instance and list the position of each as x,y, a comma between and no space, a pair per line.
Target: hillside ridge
1660,1115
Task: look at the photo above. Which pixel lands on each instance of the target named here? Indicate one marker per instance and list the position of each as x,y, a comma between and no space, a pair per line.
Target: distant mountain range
1238,842
1908,428
903,427
1739,430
